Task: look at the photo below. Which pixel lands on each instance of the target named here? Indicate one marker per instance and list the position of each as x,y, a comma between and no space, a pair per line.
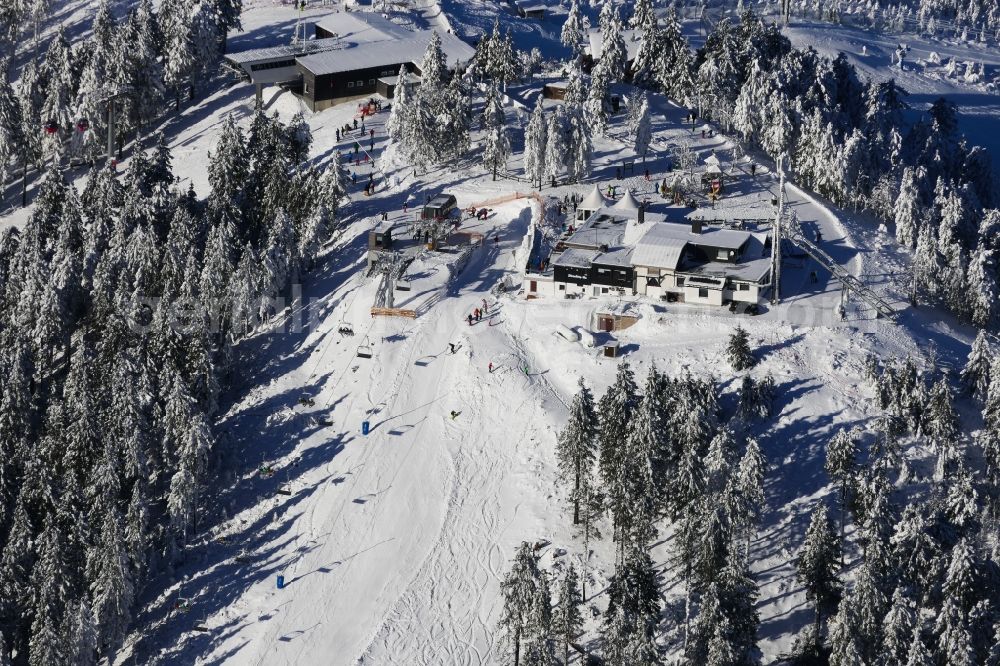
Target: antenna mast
776,241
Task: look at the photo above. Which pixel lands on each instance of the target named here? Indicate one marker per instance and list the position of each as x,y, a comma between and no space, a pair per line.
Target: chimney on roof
696,226
642,214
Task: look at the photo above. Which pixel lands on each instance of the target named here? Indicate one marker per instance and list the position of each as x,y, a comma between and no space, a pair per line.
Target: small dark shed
440,206
554,91
386,86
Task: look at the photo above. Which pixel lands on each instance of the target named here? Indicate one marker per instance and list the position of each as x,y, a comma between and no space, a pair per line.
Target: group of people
477,313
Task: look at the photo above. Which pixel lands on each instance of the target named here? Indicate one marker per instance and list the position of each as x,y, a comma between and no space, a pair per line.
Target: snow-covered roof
381,54
663,246
280,52
575,258
658,252
628,202
621,256
594,200
712,159
362,27
604,228
713,168
633,40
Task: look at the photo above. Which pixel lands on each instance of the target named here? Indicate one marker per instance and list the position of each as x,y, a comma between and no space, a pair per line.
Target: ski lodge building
621,249
349,56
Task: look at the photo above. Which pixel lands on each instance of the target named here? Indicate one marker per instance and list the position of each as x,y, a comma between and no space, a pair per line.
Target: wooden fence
394,312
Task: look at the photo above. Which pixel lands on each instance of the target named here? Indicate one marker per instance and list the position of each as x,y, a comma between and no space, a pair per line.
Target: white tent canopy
627,202
594,200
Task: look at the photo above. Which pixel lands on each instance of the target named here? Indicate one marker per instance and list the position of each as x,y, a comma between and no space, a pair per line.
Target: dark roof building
351,52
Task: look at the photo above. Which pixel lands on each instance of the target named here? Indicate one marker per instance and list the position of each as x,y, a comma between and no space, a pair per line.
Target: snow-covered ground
392,544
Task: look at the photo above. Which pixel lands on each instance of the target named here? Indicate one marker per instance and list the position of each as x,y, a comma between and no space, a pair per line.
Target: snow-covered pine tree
940,423
613,51
555,145
756,398
535,142
647,58
575,447
643,17
567,618
496,144
845,640
573,32
926,264
961,501
227,17
981,287
396,126
299,138
909,211
526,614
596,106
204,35
918,654
58,103
580,147
633,605
616,409
738,351
178,47
975,376
145,70
11,127
991,408
634,496
897,629
745,499
954,641
721,460
48,580
817,564
841,466
433,66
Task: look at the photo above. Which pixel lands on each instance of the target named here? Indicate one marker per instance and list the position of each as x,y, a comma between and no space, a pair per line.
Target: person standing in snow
470,320
451,346
453,414
491,367
485,306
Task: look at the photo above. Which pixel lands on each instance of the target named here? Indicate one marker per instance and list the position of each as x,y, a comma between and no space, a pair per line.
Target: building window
604,290
722,255
703,293
562,287
744,287
305,88
680,281
361,84
350,84
371,82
